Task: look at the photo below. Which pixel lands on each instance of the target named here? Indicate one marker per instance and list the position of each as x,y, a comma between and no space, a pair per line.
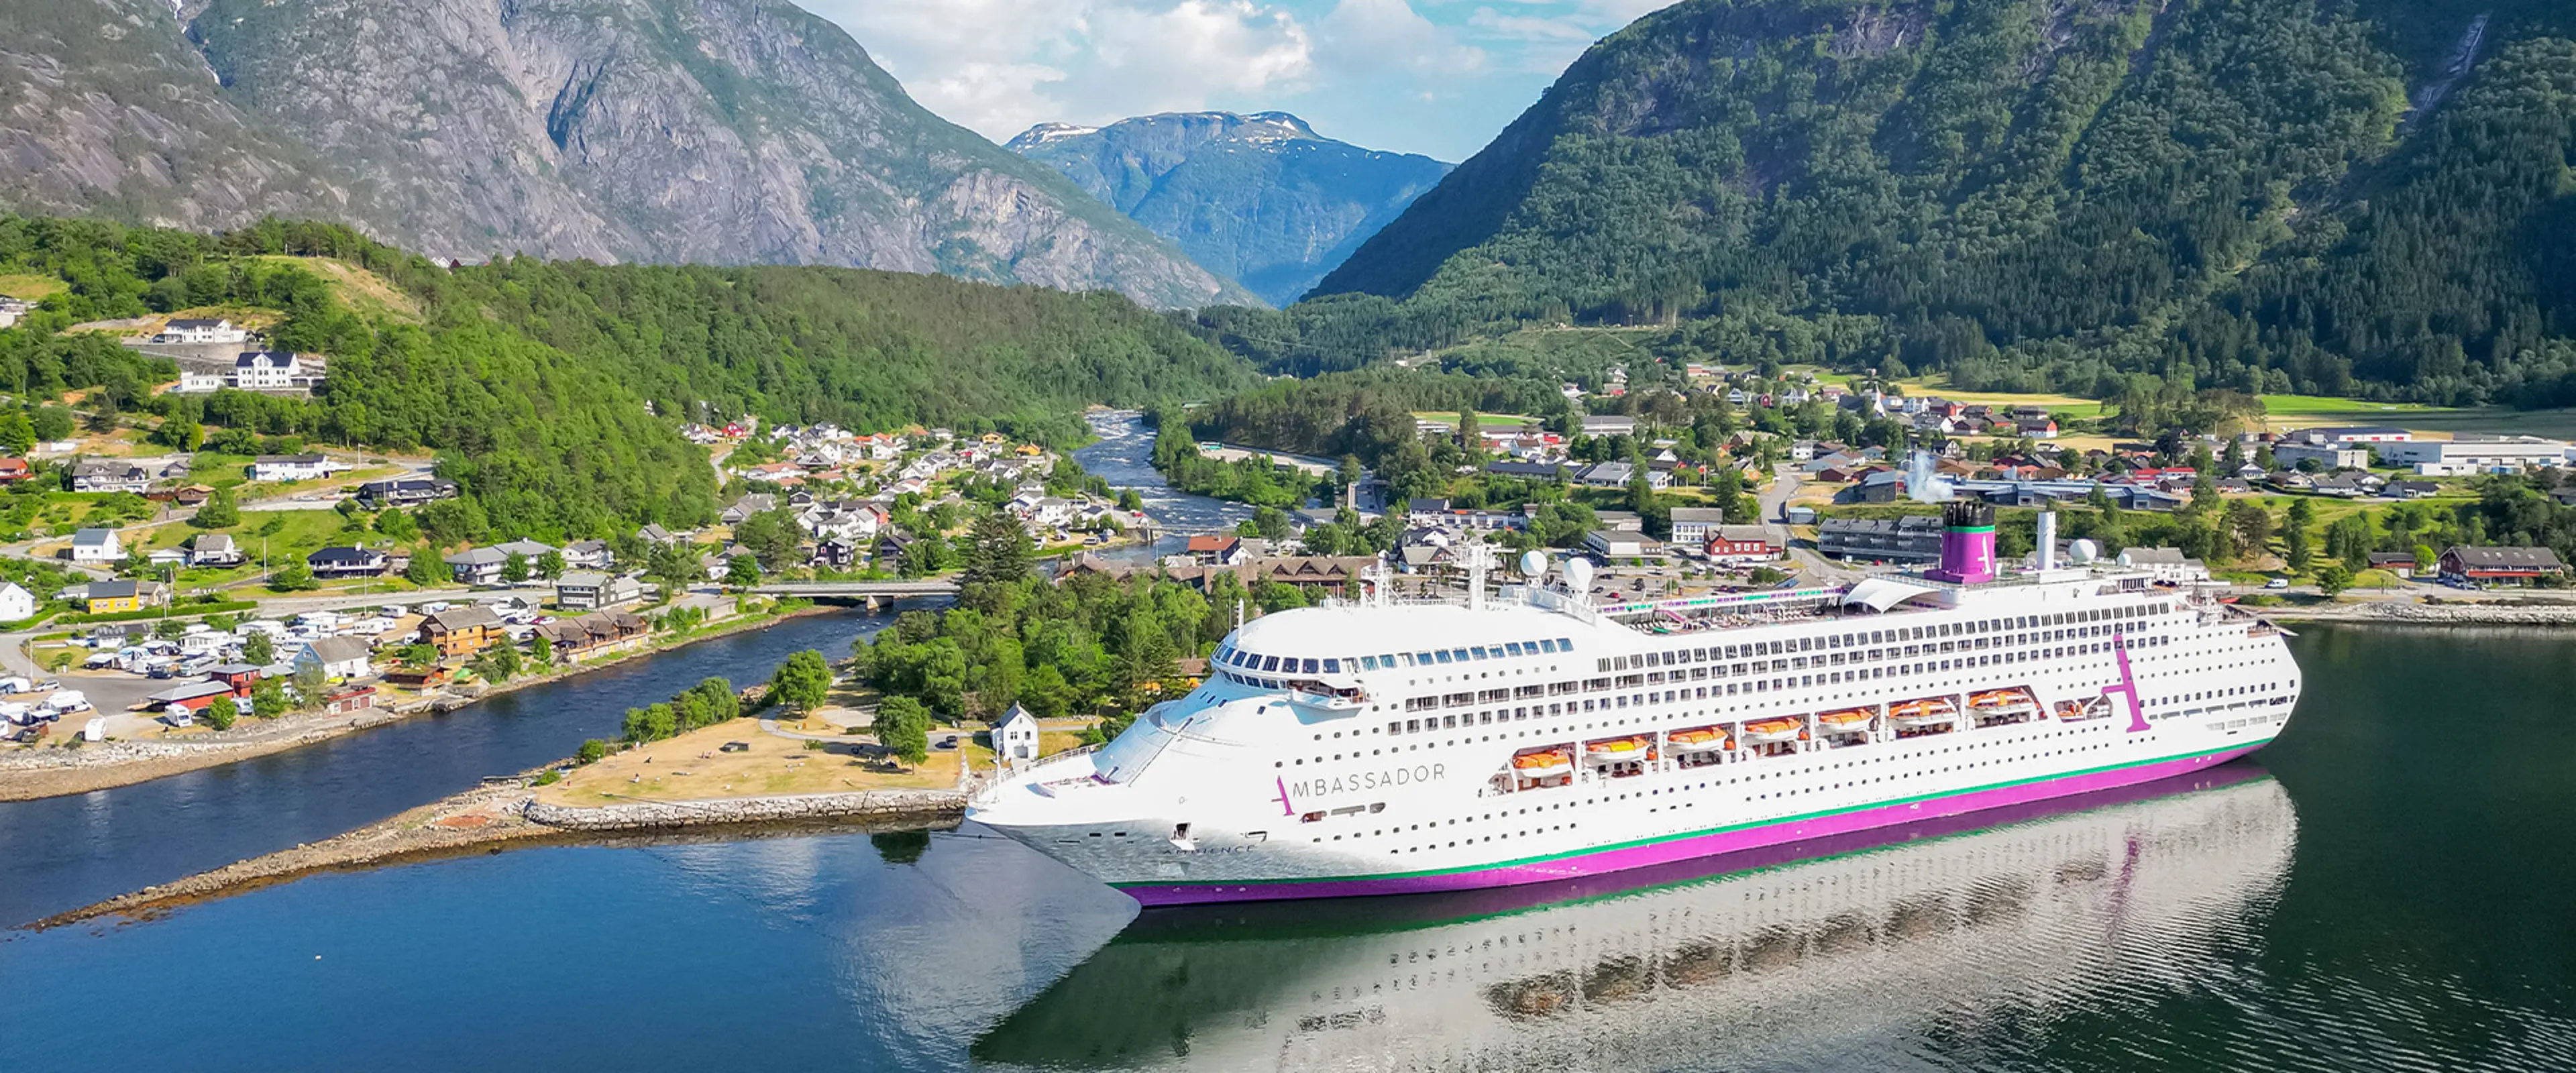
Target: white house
269,370
336,657
191,330
215,549
1692,525
295,467
97,546
2167,565
1015,738
1622,543
16,603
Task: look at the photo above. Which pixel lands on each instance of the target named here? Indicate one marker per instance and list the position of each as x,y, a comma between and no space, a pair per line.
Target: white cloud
999,66
1366,35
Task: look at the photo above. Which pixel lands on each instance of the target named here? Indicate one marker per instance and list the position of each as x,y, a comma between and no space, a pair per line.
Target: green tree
179,433
268,699
803,682
2333,578
499,663
772,534
17,434
652,723
427,568
515,568
540,650
674,567
902,725
997,550
743,572
294,576
550,565
419,655
221,714
592,751
221,510
259,648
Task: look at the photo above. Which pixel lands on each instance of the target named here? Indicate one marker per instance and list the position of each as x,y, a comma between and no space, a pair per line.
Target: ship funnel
1967,544
2047,540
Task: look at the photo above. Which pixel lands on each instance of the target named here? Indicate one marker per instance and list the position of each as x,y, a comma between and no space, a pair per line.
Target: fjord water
2387,890
62,853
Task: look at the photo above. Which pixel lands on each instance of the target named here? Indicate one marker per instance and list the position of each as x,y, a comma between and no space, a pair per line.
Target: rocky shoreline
30,774
2391,612
487,818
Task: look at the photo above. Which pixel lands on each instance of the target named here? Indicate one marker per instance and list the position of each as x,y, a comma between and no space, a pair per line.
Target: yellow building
108,597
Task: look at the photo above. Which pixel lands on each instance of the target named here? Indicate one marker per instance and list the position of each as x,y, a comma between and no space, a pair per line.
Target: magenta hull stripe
1686,847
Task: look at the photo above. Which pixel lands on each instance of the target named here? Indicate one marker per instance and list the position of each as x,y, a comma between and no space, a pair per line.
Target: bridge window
1331,666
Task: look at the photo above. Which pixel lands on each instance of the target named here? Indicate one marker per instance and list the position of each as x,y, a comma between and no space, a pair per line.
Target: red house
15,469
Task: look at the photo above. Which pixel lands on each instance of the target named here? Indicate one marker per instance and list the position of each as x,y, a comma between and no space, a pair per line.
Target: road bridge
871,593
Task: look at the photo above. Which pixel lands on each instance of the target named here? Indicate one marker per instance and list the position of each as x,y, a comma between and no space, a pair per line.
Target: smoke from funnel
1921,482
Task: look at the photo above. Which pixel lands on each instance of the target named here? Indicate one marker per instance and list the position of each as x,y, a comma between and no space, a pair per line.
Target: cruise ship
1530,735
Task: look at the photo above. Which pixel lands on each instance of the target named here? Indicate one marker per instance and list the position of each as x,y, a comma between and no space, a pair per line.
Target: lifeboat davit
1846,719
1770,730
1697,739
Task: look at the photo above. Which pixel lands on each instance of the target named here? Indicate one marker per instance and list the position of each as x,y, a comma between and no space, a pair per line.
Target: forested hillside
553,391
2364,197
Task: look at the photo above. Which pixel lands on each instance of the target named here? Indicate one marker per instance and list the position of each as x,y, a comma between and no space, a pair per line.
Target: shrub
591,751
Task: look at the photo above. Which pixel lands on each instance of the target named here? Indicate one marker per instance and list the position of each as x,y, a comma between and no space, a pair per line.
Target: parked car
2277,583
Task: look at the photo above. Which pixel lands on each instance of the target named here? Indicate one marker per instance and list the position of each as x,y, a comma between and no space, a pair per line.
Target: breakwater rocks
663,815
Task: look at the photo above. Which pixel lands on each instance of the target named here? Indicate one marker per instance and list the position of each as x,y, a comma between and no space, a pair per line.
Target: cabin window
1331,666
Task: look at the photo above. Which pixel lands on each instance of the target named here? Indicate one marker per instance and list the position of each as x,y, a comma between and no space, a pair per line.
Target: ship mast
1479,561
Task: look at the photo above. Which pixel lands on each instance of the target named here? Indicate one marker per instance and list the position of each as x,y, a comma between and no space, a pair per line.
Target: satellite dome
1534,564
2083,551
1578,574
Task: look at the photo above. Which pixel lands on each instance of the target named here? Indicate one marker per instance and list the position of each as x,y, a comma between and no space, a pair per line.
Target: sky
1437,77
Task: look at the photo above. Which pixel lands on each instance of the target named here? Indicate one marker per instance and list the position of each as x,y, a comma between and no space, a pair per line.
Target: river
1124,456
2386,890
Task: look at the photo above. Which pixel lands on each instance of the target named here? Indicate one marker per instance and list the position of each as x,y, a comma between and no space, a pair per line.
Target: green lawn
30,288
2286,412
1483,420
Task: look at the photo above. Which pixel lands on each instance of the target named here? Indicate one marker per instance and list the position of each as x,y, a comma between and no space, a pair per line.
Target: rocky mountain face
1261,198
705,131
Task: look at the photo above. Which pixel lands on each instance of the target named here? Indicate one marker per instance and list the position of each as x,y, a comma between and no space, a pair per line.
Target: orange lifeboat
1617,748
1697,739
1544,763
1994,701
1846,719
1782,728
1921,712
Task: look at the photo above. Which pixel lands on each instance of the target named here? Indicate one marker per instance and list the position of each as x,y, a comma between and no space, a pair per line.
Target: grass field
694,767
30,288
1483,420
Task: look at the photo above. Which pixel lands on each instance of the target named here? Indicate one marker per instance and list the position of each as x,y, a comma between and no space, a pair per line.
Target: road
1785,484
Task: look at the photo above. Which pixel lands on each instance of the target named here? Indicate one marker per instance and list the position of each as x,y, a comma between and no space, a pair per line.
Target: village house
349,699
16,603
338,658
742,509
108,597
2400,563
461,631
97,546
2165,566
593,554
1327,570
477,566
589,590
1741,544
1622,544
595,634
305,467
405,492
214,549
1692,525
199,330
1015,738
13,470
836,553
272,370
1217,550
1609,425
110,475
2499,566
346,562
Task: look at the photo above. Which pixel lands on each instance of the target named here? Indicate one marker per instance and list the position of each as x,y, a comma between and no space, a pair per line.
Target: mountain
2339,196
702,131
1261,198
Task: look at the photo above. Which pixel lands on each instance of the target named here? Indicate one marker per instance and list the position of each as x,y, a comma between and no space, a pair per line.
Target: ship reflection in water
1792,956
